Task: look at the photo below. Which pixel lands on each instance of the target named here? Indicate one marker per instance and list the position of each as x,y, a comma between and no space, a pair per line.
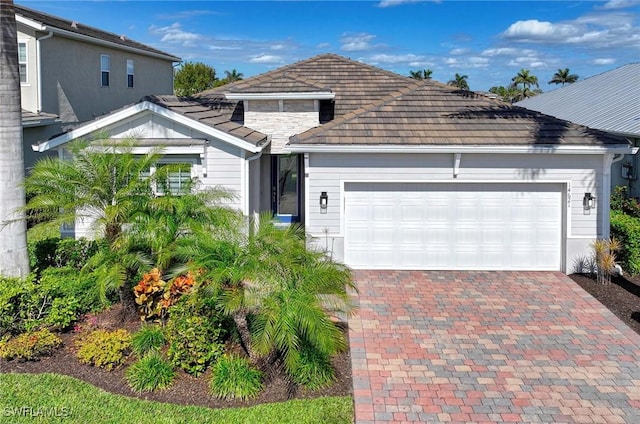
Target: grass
75,401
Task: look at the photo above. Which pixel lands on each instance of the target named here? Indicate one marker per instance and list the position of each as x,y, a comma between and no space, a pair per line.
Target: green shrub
42,253
148,338
70,282
22,306
63,313
105,349
56,252
195,336
233,377
150,373
621,202
626,229
313,370
30,345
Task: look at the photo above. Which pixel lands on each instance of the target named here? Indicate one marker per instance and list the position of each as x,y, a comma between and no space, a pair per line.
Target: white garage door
453,226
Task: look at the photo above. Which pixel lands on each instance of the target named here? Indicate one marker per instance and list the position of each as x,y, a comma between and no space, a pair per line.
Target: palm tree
563,76
459,81
507,94
14,260
424,74
526,78
268,273
233,75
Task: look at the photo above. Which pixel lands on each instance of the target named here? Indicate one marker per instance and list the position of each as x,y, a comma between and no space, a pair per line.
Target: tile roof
609,101
84,30
377,107
214,111
432,113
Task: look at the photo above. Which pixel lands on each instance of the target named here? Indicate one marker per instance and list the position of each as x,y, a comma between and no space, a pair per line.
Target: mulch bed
622,296
186,390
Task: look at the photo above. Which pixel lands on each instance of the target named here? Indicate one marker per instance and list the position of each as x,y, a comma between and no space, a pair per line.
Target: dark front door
285,187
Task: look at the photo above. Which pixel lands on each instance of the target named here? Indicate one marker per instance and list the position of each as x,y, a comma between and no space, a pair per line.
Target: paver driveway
489,347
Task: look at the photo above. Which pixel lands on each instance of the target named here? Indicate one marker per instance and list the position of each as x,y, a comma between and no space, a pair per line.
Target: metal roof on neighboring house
609,101
73,28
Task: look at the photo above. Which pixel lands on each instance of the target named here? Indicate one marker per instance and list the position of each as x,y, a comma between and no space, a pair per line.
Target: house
609,102
70,73
385,171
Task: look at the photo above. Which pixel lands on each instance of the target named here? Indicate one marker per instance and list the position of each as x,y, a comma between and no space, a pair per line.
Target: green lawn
23,396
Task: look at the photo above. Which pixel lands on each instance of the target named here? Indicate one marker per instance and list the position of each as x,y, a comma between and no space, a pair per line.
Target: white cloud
392,3
535,30
456,52
395,58
604,61
278,47
619,4
266,58
506,51
471,62
174,34
358,42
528,62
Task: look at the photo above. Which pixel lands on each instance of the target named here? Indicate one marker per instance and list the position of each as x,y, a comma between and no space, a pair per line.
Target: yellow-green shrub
30,345
105,349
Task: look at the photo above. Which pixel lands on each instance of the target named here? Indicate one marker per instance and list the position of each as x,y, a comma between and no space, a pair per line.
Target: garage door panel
453,226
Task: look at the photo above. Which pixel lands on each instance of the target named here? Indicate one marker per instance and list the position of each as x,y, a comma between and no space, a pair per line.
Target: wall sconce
588,202
324,201
627,171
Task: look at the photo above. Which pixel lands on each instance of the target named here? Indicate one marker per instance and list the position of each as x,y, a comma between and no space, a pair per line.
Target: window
22,62
105,68
130,69
172,177
285,187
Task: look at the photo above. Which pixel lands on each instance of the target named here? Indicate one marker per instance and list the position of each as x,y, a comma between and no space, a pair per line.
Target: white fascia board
30,23
574,150
120,115
312,95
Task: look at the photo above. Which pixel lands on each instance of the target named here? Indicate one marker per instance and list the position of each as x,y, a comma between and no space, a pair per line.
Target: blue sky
488,41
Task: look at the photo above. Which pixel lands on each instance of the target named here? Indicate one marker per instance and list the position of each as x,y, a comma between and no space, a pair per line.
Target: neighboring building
608,102
71,73
385,171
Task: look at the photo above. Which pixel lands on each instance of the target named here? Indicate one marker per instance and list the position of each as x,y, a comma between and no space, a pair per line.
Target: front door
285,187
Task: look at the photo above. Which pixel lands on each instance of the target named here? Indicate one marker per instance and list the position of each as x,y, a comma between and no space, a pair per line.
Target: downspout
39,69
605,201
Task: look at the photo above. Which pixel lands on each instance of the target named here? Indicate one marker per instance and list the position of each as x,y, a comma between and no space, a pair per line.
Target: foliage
150,373
527,79
626,229
81,401
620,201
605,258
192,78
154,296
563,76
18,304
63,313
195,335
313,370
424,74
30,345
105,349
233,377
507,94
148,338
459,81
268,273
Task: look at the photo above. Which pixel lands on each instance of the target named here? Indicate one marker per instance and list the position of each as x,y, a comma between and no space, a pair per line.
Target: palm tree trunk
14,260
240,319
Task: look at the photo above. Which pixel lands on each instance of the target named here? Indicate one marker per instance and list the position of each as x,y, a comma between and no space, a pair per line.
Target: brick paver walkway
489,347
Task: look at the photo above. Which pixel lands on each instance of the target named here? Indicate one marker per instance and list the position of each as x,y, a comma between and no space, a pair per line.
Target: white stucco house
385,171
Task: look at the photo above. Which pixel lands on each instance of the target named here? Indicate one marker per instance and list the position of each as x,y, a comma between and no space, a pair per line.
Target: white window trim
172,161
132,73
108,70
26,61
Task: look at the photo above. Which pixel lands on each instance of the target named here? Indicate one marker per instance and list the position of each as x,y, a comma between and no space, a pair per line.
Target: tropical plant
507,94
233,377
421,74
14,259
563,76
459,81
192,78
150,373
314,370
526,78
233,75
148,338
267,273
605,255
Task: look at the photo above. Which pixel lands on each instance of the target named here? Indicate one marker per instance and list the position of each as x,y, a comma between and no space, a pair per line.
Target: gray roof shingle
80,29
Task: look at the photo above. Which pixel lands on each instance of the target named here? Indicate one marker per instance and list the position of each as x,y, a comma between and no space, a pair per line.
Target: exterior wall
281,119
71,79
329,172
29,91
632,184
